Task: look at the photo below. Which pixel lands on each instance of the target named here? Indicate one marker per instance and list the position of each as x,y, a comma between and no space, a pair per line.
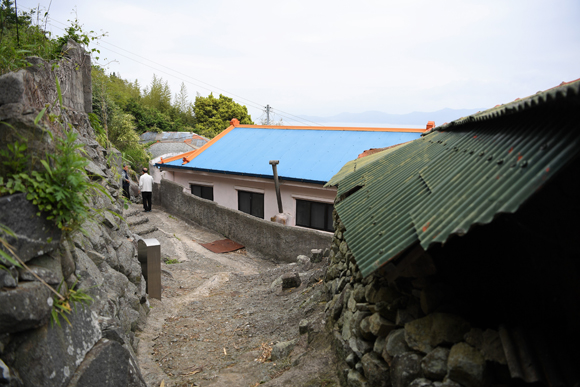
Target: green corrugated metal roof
459,175
352,165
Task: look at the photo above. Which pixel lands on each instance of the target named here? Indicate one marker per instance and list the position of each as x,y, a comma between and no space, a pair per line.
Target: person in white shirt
146,189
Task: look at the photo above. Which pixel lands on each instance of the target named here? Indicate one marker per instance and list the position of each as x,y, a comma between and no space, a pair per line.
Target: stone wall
393,327
98,347
261,237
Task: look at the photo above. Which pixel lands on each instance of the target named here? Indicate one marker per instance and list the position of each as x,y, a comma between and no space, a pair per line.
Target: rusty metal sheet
460,175
222,246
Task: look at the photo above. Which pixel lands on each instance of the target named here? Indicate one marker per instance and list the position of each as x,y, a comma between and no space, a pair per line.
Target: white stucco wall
225,190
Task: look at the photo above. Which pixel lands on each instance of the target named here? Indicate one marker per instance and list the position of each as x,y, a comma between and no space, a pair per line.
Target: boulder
125,255
85,264
434,365
96,257
421,382
351,303
24,307
438,328
343,248
33,271
291,280
340,346
317,255
109,220
358,317
466,365
347,321
332,273
376,370
380,326
303,326
365,329
405,368
359,292
67,262
488,343
355,379
375,294
282,350
304,262
432,296
407,315
94,171
395,345
360,346
385,309
351,360
35,235
450,383
49,356
380,344
107,364
9,278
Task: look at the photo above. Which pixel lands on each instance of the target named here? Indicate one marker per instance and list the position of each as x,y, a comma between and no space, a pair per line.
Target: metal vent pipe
273,163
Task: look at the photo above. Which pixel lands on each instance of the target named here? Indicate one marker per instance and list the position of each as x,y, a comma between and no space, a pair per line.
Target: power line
248,102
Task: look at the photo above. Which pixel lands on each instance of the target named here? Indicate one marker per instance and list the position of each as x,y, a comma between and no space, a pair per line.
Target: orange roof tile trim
193,155
338,128
169,159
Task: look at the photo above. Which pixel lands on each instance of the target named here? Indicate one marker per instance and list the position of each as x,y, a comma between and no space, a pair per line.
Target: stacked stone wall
393,328
98,347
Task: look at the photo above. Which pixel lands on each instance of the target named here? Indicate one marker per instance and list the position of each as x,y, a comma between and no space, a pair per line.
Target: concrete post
149,253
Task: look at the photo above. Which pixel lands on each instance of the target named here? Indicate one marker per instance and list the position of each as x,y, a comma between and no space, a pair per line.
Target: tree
213,115
158,95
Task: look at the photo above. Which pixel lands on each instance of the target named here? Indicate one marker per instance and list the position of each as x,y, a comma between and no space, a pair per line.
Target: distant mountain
375,117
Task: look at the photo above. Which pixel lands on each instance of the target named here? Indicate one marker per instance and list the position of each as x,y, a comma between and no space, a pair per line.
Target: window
251,203
202,191
314,215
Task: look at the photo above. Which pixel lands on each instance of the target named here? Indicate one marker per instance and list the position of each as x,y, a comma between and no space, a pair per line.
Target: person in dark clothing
126,182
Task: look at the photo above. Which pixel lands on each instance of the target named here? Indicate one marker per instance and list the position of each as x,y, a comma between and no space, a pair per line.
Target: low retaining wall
261,237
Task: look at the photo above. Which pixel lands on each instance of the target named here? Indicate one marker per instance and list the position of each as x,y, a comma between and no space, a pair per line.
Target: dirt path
221,314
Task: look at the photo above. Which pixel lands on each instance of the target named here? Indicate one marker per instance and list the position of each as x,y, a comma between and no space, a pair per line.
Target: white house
234,169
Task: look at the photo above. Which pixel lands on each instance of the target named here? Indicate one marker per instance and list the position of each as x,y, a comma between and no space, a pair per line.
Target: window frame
202,188
327,217
252,194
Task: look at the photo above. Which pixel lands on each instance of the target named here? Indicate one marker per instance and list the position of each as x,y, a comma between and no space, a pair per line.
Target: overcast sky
319,57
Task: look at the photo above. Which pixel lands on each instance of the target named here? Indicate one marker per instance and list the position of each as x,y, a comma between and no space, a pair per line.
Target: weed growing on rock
62,189
5,231
62,305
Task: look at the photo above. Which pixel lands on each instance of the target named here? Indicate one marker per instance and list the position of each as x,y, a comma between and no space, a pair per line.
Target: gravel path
221,314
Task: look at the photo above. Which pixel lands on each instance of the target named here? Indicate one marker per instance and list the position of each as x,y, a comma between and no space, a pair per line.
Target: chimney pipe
273,163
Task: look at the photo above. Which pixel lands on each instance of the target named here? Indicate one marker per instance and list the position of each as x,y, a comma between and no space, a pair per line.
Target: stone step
138,221
132,213
145,231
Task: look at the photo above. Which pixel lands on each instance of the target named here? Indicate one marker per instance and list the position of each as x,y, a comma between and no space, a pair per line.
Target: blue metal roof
304,155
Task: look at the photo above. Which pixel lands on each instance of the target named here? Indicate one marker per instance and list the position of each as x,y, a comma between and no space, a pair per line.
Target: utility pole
267,114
